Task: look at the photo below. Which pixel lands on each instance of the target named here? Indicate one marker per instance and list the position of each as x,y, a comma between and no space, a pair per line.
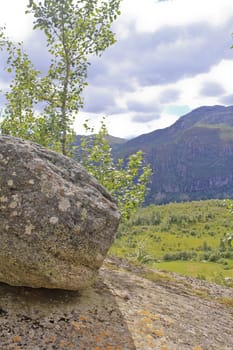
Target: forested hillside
192,159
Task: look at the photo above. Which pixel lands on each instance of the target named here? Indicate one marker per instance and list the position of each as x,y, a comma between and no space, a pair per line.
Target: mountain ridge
191,159
182,122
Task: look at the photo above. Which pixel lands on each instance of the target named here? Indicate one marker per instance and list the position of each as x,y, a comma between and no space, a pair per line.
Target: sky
171,57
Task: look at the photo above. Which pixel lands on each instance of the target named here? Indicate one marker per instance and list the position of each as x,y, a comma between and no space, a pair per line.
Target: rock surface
129,307
56,222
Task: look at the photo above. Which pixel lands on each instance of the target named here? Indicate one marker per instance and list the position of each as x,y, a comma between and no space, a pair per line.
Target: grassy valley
193,238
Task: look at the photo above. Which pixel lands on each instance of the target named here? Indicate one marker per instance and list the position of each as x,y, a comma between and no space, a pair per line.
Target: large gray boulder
56,222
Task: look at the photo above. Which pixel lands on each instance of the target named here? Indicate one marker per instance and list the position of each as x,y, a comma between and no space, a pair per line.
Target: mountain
192,159
113,141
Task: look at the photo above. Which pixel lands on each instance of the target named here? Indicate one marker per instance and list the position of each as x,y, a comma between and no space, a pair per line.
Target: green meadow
193,239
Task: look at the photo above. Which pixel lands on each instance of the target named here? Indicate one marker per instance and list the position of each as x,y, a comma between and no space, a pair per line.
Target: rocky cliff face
192,159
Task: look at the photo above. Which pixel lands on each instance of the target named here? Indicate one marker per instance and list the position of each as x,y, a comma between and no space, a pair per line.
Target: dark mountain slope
192,159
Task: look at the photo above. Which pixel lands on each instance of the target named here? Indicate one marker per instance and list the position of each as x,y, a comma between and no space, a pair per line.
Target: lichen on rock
56,222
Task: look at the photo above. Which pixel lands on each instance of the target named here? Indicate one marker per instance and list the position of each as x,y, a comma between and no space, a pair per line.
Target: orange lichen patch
198,347
148,314
164,347
146,320
103,334
52,339
77,325
150,340
149,326
154,317
158,332
144,312
140,328
16,339
169,321
84,318
71,346
147,330
63,344
131,328
98,339
139,331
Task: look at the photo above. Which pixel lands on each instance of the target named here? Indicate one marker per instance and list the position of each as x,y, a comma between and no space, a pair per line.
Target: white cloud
152,15
166,44
190,88
121,124
18,25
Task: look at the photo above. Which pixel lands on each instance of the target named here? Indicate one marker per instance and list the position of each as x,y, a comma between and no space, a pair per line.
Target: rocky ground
129,307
